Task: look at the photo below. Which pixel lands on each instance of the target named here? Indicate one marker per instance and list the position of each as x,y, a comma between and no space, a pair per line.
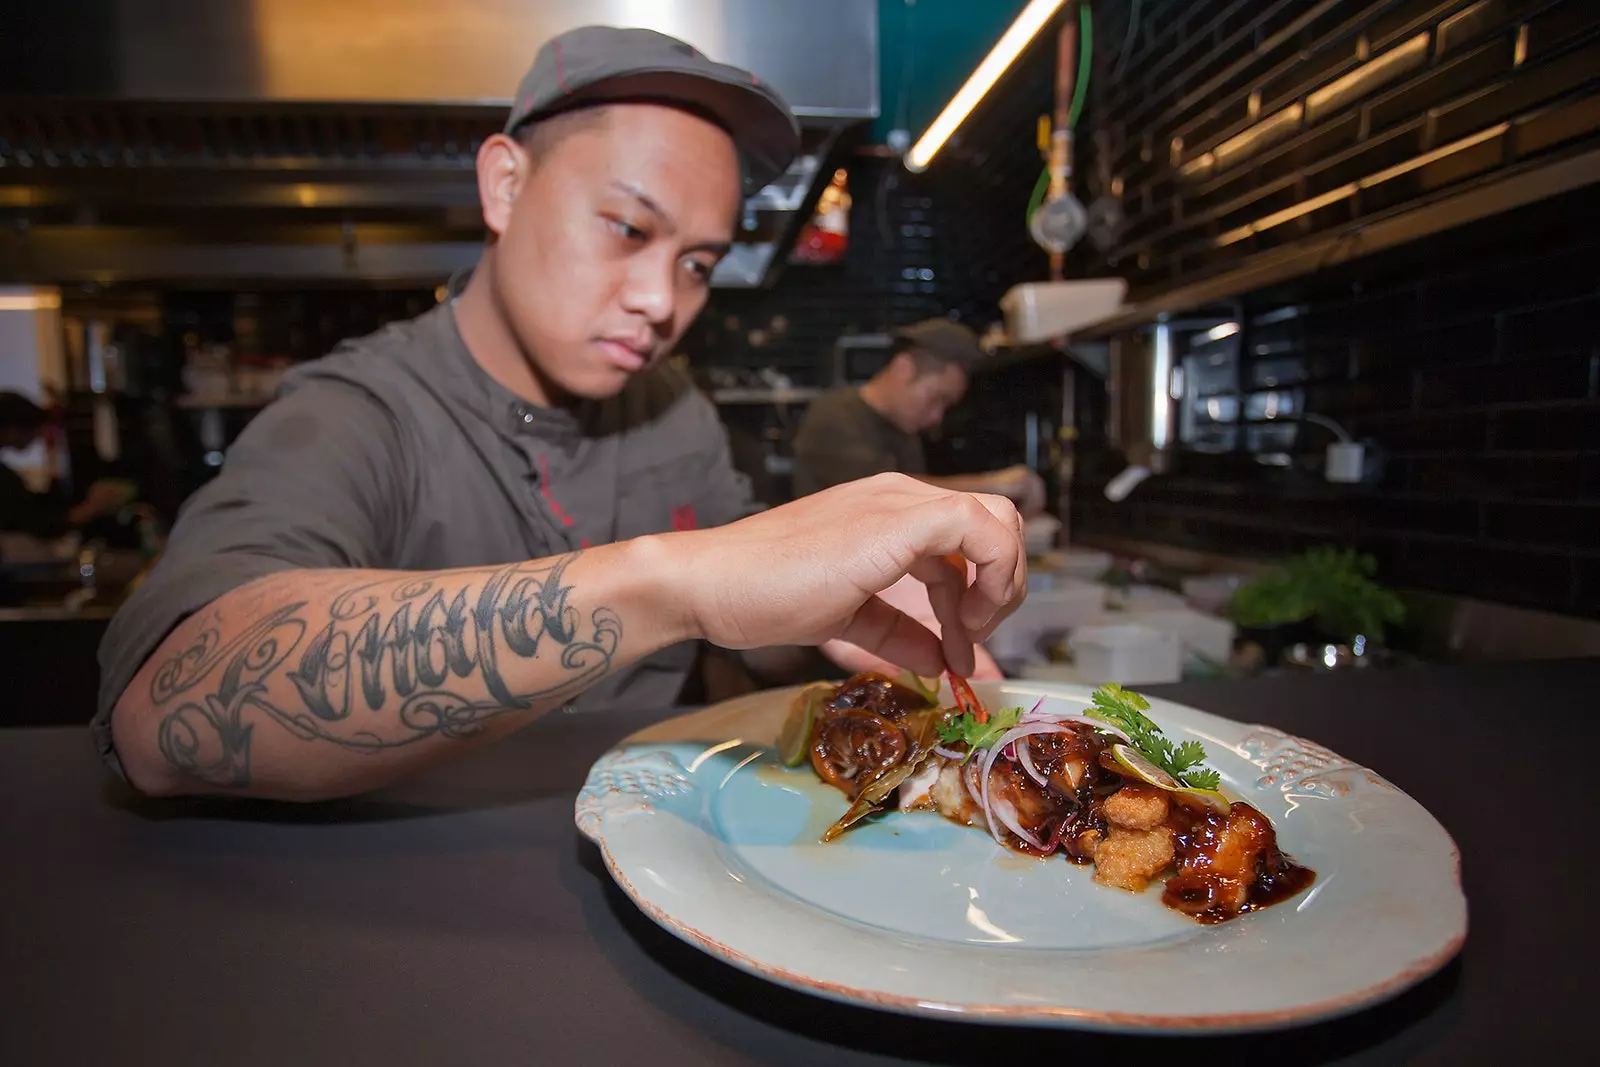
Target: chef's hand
910,597
812,571
1023,486
103,498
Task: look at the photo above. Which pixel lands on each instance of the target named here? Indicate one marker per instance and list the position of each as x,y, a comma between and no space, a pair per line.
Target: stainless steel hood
282,140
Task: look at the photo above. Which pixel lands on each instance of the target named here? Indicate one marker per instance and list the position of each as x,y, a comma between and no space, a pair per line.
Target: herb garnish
1117,706
966,727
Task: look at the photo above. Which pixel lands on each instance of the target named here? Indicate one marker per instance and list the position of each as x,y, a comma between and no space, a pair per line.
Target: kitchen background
1362,219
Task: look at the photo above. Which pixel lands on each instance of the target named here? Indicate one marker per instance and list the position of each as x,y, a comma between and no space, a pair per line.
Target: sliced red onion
1063,718
1025,758
969,778
989,756
1008,815
1055,838
992,754
1017,733
949,753
1033,712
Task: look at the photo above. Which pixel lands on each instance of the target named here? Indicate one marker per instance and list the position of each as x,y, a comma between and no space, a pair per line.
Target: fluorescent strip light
1160,383
1000,57
24,300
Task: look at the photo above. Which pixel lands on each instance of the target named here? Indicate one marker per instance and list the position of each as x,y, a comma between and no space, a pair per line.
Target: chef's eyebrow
668,223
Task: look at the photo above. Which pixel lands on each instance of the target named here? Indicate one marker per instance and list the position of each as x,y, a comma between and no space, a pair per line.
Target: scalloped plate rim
591,818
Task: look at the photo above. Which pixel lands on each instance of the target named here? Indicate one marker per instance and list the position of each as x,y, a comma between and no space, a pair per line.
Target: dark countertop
462,919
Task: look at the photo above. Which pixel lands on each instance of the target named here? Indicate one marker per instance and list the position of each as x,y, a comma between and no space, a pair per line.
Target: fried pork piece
1222,858
1128,859
916,793
1138,846
1081,840
1066,759
1137,807
950,796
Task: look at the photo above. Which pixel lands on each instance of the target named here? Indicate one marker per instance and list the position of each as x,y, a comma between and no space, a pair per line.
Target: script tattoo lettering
384,669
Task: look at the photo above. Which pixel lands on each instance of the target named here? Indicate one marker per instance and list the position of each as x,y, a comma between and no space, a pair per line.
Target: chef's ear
503,166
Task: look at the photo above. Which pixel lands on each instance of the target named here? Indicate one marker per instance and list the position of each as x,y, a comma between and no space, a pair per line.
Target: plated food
701,824
1104,788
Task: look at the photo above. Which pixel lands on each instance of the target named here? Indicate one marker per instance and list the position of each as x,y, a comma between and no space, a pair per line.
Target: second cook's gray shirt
843,438
398,451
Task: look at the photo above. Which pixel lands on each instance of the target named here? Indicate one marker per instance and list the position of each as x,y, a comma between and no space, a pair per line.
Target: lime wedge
1135,765
1208,797
929,690
795,737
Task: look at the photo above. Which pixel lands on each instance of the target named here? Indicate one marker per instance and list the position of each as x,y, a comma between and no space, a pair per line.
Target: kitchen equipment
1205,638
1066,604
1039,534
1128,654
1142,390
1041,311
1142,598
1210,593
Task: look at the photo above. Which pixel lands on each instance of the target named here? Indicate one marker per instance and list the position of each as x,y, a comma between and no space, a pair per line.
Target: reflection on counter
71,575
56,599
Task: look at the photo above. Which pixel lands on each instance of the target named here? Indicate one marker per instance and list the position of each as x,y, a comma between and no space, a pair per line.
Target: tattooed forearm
381,665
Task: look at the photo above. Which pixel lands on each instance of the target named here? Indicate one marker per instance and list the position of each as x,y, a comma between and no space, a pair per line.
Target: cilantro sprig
966,728
1125,710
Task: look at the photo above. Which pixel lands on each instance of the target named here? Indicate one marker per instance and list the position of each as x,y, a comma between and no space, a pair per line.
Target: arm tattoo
383,671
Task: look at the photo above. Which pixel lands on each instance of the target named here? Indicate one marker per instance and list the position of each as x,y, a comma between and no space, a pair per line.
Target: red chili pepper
966,699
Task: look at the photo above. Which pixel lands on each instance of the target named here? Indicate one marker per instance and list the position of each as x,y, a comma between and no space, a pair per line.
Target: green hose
1085,51
1040,187
1080,90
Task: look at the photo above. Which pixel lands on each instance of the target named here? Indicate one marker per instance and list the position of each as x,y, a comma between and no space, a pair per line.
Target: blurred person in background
44,515
853,433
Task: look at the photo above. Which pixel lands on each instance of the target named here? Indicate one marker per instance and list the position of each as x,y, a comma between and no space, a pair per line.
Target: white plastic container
1129,654
1210,592
1142,598
1058,673
1203,637
1067,604
1038,311
1040,532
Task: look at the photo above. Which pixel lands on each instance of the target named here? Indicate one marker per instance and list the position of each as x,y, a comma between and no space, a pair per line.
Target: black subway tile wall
1471,360
949,241
1233,128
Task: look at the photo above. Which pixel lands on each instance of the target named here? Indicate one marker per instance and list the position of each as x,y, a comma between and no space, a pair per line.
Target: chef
512,503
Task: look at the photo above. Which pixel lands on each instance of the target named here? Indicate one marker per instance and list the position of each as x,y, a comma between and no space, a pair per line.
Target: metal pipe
1060,163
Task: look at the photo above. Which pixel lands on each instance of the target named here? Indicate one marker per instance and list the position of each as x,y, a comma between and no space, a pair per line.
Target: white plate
718,842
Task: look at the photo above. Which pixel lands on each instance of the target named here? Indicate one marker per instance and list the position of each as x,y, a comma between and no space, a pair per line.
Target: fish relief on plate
1294,765
624,784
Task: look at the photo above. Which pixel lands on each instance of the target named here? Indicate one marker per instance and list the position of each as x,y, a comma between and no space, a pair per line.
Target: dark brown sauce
859,731
1229,864
878,694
